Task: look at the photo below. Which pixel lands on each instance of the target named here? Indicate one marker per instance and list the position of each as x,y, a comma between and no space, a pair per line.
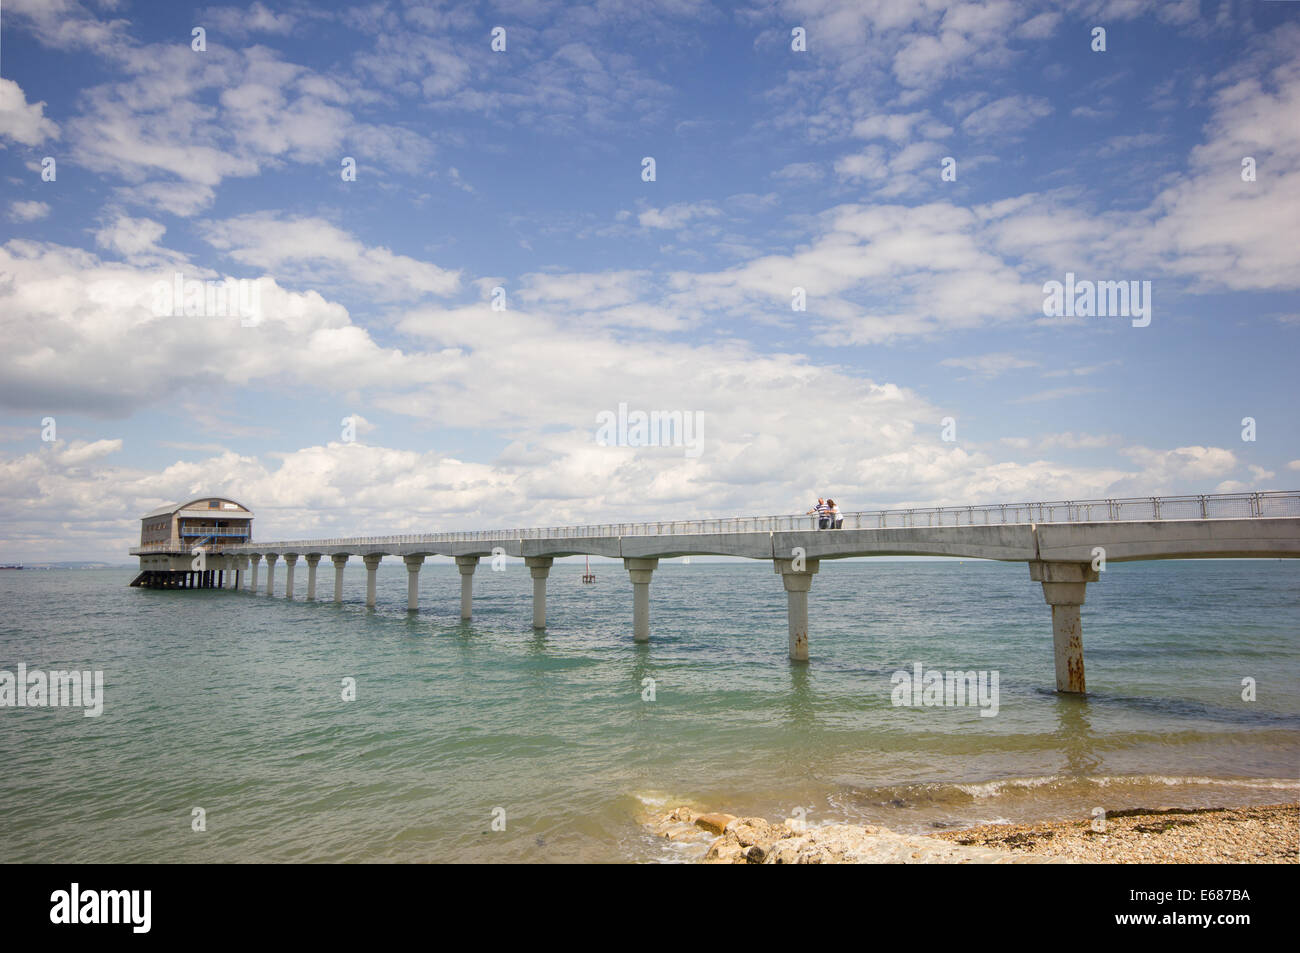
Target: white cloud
135,239
1089,112
1056,393
237,21
989,365
183,199
175,125
1081,371
900,127
1039,27
1067,440
869,165
83,335
311,250
1214,228
1081,441
873,273
677,215
1166,467
28,211
22,122
800,172
1142,140
342,489
1007,116
584,292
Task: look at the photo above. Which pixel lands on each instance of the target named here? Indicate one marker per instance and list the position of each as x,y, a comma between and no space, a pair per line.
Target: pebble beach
1249,835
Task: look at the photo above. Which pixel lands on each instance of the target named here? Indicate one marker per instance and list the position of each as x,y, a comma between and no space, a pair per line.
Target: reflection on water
1074,735
800,710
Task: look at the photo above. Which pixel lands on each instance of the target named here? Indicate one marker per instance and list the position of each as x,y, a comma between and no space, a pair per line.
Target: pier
1065,545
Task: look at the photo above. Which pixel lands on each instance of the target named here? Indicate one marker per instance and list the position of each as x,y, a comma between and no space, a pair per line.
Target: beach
1267,834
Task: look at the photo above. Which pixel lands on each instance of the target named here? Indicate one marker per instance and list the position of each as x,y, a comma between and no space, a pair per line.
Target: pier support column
372,565
540,567
640,570
340,560
797,583
270,573
413,564
290,561
1063,589
252,579
313,559
467,565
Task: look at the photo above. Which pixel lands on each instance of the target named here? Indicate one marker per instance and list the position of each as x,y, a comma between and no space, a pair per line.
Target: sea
238,727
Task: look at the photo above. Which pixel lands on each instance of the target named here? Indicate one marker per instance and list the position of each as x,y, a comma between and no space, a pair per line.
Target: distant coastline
66,565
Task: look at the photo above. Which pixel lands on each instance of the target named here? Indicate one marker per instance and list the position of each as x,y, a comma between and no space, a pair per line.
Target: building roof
167,509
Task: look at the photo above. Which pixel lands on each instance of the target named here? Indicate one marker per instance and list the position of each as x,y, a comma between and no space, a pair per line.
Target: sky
456,265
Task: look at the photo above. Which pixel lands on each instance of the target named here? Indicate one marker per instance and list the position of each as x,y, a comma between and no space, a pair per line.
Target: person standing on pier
821,509
833,518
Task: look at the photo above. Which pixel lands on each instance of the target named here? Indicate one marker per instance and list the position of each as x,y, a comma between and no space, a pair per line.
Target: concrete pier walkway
1066,545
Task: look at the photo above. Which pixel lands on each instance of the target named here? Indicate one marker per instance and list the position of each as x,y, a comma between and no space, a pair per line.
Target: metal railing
1204,506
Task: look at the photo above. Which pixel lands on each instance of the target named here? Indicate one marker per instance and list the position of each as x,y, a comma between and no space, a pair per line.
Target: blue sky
775,169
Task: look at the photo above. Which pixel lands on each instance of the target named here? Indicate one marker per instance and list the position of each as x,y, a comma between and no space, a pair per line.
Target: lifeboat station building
171,534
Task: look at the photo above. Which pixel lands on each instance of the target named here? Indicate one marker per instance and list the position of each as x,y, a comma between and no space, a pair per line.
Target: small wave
939,793
993,788
1269,784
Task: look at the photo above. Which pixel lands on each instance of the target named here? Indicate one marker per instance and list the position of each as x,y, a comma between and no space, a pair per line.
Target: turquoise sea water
232,703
